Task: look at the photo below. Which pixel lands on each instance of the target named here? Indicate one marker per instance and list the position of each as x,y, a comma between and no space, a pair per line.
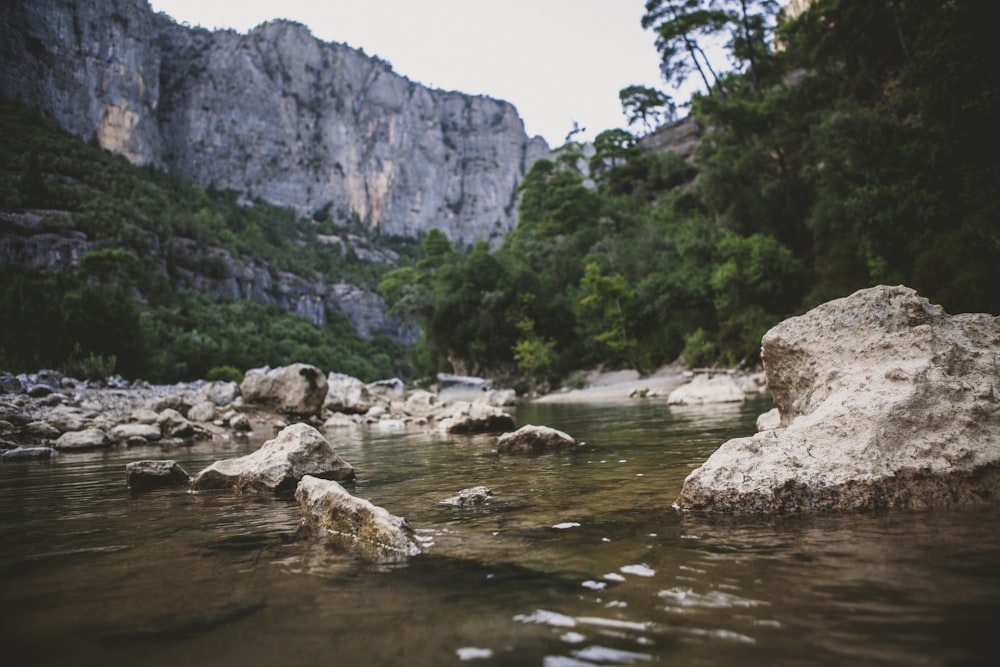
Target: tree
679,25
607,300
682,25
648,106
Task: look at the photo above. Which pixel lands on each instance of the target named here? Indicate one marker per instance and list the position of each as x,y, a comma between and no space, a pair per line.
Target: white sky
557,61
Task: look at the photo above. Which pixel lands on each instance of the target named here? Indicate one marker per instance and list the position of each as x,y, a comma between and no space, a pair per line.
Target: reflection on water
579,560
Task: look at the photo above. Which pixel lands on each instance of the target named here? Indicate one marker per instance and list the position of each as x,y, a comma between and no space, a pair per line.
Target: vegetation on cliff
130,303
862,151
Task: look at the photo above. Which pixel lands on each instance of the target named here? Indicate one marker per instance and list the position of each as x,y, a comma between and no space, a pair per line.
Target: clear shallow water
579,560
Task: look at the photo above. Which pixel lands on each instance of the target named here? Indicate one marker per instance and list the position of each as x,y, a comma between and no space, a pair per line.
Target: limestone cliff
276,113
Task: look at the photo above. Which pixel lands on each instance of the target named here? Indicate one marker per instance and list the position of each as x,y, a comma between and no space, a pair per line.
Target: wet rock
340,421
202,412
9,384
388,390
348,394
332,514
463,417
145,475
42,430
531,439
66,419
90,438
144,416
177,402
13,414
174,425
476,495
221,394
6,428
299,389
29,454
39,391
240,422
136,433
422,404
706,389
278,465
885,401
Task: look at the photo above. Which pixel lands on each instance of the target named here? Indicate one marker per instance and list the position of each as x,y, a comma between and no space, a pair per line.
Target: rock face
278,465
331,513
276,113
299,389
531,439
885,401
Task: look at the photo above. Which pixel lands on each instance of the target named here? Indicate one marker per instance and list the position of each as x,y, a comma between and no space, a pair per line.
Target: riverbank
601,386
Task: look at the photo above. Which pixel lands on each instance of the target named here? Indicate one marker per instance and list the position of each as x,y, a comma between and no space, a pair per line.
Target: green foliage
124,307
700,349
224,374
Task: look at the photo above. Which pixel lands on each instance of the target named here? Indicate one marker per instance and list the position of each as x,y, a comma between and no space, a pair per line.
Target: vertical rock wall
276,113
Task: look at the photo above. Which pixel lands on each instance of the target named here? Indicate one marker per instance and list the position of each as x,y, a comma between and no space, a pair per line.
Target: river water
579,560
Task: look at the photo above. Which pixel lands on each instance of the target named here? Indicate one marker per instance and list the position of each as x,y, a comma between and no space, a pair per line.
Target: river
579,560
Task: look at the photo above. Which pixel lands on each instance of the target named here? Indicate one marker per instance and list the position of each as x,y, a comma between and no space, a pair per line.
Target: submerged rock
145,475
531,439
330,513
476,495
299,389
885,401
136,433
278,465
29,454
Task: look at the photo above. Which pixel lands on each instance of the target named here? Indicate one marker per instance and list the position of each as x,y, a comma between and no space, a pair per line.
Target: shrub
224,374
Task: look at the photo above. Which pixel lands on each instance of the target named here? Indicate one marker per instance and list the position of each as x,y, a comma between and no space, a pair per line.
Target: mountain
275,114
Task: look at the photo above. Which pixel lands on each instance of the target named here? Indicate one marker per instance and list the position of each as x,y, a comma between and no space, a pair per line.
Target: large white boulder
704,389
885,401
348,394
299,389
332,514
279,464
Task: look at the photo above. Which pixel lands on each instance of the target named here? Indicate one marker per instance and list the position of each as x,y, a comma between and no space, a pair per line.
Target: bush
699,349
224,374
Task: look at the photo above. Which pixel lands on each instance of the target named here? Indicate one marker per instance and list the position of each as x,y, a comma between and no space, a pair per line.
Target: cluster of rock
717,386
44,413
883,401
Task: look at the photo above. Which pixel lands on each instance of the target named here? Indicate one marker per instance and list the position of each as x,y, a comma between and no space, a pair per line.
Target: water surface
579,560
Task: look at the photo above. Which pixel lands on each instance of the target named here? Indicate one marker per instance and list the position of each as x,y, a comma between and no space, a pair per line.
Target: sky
559,62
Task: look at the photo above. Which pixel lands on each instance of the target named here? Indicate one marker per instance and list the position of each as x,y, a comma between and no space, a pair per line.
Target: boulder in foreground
330,513
279,464
531,439
885,401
